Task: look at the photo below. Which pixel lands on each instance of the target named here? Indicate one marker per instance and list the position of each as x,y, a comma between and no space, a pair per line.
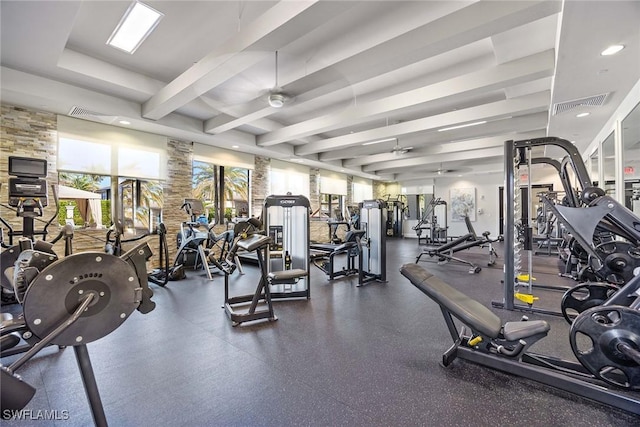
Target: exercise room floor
365,356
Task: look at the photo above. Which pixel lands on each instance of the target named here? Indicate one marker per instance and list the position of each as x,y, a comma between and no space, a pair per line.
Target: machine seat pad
253,242
514,331
467,310
324,247
286,275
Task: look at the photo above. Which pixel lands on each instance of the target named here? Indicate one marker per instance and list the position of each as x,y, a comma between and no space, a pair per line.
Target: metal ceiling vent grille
590,101
83,113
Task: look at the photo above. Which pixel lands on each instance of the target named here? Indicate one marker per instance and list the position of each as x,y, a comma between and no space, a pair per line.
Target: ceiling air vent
83,113
590,101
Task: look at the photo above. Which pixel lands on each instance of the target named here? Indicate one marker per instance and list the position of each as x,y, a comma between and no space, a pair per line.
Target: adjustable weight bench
445,252
485,340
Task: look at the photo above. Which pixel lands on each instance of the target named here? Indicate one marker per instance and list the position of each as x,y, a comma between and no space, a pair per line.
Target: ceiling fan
399,150
276,97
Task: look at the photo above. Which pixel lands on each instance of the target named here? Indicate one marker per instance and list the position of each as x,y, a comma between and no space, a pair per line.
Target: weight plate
60,288
583,297
596,335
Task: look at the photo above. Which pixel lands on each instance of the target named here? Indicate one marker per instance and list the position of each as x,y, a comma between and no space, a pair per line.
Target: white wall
486,202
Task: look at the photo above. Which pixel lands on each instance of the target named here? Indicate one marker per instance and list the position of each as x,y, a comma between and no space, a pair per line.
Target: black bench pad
469,311
253,242
296,273
514,331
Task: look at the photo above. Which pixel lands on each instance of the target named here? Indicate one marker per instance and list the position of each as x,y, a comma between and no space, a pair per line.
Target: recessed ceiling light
463,126
378,141
612,50
134,27
235,146
582,114
124,122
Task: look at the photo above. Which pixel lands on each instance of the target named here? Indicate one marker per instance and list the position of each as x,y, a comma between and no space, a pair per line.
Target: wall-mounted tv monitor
27,167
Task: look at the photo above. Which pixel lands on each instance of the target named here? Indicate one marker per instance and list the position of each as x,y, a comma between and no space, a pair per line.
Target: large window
331,207
221,202
94,159
140,203
288,178
84,199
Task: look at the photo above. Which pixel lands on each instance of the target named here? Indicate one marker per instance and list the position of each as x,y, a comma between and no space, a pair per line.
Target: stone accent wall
318,229
260,184
176,188
349,200
28,133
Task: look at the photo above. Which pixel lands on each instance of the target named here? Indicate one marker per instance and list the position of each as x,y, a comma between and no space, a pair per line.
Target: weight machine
395,216
605,340
437,233
286,221
373,257
518,235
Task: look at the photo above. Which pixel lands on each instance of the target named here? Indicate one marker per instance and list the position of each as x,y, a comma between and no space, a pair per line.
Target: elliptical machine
159,276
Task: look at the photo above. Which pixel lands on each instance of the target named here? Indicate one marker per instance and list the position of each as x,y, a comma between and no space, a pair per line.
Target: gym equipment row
444,253
604,339
66,302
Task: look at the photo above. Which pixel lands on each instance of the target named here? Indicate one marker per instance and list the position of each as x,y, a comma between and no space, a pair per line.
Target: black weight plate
606,327
59,289
583,297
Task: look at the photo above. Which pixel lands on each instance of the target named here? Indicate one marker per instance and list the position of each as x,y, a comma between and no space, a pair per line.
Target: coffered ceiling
352,73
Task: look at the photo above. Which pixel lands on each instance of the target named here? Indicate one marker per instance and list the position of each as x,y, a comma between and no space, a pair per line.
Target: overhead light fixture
124,122
235,146
582,114
134,27
276,100
462,126
379,141
612,50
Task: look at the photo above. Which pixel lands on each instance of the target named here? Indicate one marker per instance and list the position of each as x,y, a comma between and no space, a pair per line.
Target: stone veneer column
314,189
34,134
260,184
349,200
176,188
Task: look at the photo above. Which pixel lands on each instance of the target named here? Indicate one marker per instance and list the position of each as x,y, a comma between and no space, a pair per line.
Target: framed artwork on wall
463,203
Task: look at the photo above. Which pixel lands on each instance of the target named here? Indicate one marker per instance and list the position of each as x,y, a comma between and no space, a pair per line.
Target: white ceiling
353,72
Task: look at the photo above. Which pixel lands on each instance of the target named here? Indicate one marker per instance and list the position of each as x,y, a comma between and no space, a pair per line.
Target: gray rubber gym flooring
351,356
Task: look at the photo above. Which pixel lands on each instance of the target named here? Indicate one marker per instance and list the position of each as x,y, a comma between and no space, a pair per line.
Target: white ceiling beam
452,147
520,124
512,73
518,106
434,159
420,174
474,22
223,62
